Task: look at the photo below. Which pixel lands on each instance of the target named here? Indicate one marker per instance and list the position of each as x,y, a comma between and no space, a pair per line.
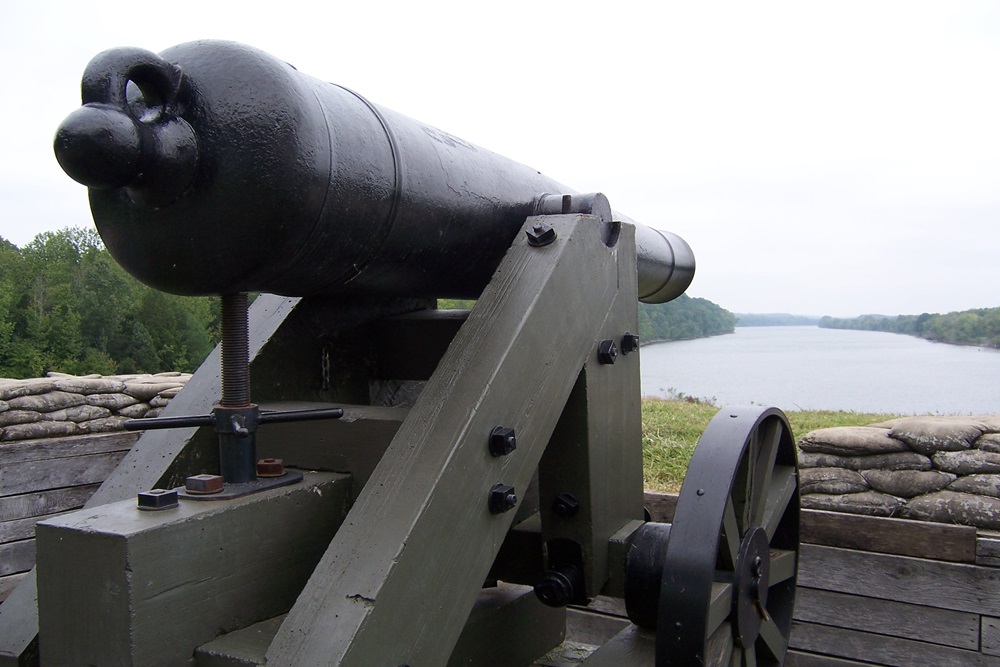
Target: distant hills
775,320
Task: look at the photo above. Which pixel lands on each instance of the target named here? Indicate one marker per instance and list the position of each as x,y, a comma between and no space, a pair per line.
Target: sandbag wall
944,469
60,437
900,564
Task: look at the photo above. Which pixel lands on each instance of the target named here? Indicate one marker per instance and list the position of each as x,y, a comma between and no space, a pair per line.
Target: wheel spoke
772,640
782,566
767,439
720,606
749,657
729,545
782,490
719,648
737,658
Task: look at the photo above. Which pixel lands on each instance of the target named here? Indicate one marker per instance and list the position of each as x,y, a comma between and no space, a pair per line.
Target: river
808,368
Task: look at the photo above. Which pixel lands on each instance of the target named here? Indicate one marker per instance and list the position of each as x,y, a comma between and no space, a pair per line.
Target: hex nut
270,468
502,441
630,342
204,484
566,505
607,351
157,499
502,498
540,234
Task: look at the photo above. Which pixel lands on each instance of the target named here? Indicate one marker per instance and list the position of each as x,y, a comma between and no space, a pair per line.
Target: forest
979,326
67,306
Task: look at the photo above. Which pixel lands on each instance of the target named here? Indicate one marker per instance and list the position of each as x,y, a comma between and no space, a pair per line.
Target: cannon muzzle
214,168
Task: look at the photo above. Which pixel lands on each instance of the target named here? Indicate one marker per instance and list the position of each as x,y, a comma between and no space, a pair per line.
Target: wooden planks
919,622
881,649
955,586
922,539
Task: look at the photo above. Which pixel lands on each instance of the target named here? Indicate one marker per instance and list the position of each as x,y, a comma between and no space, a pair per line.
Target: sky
821,158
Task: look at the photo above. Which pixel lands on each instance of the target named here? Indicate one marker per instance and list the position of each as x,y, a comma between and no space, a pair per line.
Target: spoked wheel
730,567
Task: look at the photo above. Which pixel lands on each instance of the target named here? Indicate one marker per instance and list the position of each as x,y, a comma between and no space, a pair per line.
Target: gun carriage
451,480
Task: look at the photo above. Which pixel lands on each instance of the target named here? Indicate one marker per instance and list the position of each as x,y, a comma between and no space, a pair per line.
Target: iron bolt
566,505
157,499
607,351
204,484
630,342
502,498
270,468
540,234
561,586
502,441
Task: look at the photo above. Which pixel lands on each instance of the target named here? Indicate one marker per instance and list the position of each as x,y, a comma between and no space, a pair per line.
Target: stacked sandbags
61,405
936,468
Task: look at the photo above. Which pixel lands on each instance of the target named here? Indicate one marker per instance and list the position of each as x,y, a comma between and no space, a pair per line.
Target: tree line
979,326
67,306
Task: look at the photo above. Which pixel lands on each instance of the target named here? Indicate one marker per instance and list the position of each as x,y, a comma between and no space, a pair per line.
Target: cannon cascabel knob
99,146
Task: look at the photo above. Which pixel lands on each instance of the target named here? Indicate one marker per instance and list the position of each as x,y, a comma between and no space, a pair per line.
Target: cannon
408,486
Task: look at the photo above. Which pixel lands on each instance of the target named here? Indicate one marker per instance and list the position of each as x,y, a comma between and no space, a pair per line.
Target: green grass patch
671,429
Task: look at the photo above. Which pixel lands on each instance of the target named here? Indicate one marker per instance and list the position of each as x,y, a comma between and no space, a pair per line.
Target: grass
671,429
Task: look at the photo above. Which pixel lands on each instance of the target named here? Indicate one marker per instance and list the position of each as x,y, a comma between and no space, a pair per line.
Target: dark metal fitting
502,441
630,342
157,499
607,351
270,468
541,234
502,498
566,505
241,421
560,587
204,484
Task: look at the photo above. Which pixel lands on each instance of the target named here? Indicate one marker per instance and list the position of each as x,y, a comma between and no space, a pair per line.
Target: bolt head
502,498
630,342
540,234
270,468
566,505
204,484
607,351
502,441
157,499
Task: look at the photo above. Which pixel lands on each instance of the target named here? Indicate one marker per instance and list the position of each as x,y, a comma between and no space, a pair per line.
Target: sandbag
19,417
47,402
103,424
907,483
989,442
16,388
980,485
851,441
831,481
78,413
871,503
113,402
86,385
40,429
147,390
134,411
928,435
952,507
969,462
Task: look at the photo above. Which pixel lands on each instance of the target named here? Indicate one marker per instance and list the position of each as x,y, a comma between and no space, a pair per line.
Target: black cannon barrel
214,168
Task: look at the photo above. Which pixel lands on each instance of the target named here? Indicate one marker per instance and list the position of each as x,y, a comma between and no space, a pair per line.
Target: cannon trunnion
463,476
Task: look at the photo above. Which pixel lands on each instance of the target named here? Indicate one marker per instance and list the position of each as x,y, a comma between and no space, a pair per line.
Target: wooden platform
44,478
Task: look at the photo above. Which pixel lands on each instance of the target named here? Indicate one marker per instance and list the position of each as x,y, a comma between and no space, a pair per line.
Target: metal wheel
730,566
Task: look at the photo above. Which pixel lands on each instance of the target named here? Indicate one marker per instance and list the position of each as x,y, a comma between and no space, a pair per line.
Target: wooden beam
881,649
376,598
955,586
119,586
899,619
922,539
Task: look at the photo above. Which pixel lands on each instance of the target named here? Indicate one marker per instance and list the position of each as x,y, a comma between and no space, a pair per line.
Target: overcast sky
825,158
